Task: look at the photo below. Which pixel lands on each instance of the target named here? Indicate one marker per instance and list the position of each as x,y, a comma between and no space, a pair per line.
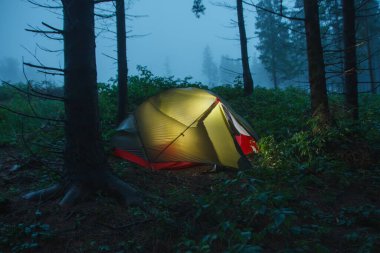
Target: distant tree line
339,40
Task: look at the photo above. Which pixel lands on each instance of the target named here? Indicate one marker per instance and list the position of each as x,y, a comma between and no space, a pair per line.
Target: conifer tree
209,68
274,43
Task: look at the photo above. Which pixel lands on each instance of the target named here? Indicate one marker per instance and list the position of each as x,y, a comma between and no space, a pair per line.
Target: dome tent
183,127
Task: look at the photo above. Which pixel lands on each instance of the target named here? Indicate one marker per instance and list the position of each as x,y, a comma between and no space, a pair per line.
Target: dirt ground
98,223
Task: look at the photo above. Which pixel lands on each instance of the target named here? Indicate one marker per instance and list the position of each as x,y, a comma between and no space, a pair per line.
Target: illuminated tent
183,127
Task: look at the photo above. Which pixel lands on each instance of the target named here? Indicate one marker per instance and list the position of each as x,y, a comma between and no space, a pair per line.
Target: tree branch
48,50
38,95
38,30
44,6
102,1
53,28
50,73
43,67
273,12
27,115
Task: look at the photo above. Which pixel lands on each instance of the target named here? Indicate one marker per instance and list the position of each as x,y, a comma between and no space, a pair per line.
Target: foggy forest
206,126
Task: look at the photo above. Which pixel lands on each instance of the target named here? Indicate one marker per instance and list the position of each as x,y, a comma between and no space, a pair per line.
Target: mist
165,36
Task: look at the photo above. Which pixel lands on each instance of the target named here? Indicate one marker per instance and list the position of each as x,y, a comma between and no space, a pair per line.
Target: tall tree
317,78
350,71
368,31
122,67
332,43
247,77
370,57
298,50
259,73
85,161
209,68
274,43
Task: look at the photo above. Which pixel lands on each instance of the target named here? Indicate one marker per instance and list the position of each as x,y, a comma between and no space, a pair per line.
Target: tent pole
200,117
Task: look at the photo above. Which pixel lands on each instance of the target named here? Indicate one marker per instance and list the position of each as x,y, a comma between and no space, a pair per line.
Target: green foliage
238,214
280,113
20,130
24,238
146,84
140,87
198,8
310,186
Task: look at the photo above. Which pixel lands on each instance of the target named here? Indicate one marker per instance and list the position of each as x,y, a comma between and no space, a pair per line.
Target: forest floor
101,224
98,224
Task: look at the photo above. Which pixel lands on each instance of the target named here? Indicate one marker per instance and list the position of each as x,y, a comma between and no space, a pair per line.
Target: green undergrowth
311,188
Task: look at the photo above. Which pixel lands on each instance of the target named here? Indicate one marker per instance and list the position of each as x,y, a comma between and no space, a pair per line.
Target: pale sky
175,36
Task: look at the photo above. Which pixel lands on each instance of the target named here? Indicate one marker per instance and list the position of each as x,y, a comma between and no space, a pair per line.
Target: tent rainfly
184,127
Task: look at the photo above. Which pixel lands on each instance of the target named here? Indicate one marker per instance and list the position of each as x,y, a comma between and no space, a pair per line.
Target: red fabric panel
247,144
131,157
156,166
173,165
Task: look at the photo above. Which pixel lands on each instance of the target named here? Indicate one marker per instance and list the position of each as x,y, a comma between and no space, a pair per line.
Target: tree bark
122,67
85,158
85,161
274,73
339,46
317,78
370,59
350,72
247,77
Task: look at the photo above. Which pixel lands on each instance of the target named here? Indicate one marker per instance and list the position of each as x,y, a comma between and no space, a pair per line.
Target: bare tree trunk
275,82
85,161
274,73
247,77
350,72
83,151
337,32
122,67
317,78
370,58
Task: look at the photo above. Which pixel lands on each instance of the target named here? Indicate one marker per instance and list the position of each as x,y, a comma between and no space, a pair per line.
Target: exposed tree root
73,193
72,196
129,196
44,194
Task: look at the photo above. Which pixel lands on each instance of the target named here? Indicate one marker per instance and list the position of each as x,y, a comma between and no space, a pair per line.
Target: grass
310,190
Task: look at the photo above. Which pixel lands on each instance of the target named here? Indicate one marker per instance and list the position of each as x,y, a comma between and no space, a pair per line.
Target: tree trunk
247,77
317,78
370,59
83,151
85,161
339,46
274,72
350,72
275,82
122,67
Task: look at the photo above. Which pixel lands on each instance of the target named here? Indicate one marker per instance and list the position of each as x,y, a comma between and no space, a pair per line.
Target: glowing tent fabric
182,127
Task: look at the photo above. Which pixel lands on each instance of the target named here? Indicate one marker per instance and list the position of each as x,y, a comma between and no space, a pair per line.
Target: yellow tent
182,127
